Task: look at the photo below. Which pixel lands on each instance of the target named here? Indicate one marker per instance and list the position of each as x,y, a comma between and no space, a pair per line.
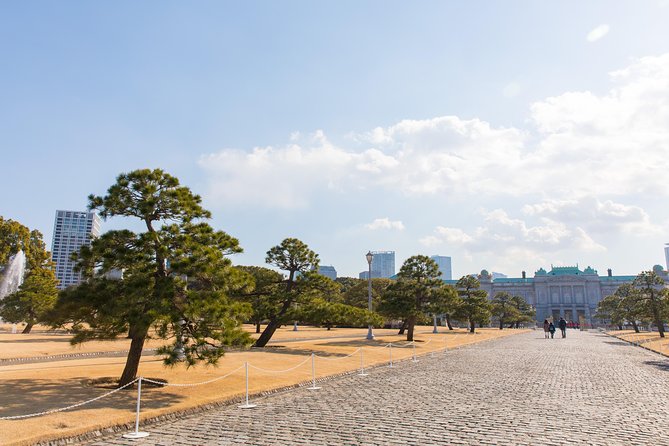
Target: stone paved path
586,389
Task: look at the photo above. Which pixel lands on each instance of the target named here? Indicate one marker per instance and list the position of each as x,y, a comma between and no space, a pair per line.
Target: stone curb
67,356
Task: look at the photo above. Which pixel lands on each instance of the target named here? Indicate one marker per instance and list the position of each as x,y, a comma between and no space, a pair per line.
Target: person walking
563,327
546,325
551,328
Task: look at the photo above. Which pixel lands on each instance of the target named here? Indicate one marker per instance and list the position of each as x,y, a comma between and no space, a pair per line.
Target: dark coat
562,324
551,328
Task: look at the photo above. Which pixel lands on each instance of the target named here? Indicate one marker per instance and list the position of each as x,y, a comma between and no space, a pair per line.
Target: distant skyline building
71,231
666,255
498,275
327,271
444,263
383,264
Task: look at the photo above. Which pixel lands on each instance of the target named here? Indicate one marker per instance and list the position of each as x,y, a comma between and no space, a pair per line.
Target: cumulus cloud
582,166
597,216
597,33
506,238
385,223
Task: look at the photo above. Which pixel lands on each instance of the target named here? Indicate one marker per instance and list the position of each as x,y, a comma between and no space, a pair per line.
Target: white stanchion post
390,349
247,405
362,367
414,352
137,433
313,373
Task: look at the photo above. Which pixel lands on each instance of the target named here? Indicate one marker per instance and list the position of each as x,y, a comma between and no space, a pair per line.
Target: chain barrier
47,412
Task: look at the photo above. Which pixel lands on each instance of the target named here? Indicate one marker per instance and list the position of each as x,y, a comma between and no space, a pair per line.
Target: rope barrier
47,412
164,384
280,371
341,357
246,366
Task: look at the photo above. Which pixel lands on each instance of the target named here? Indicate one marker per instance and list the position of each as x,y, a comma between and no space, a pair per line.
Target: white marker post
313,373
137,434
247,405
362,367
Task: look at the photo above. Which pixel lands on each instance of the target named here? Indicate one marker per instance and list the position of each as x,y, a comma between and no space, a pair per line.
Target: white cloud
505,238
597,216
385,223
597,33
584,166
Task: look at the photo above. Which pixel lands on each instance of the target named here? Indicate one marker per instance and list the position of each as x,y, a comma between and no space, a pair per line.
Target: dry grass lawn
647,339
30,388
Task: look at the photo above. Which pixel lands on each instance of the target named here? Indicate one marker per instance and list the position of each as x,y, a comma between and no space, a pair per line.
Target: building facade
71,231
666,255
444,264
564,291
383,264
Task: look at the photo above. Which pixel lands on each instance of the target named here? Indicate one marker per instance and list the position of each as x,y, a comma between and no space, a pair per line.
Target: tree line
178,283
644,301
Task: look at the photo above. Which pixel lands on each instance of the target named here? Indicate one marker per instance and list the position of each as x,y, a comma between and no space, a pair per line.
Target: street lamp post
369,256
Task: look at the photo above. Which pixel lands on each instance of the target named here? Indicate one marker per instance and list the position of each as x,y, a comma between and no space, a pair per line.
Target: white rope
47,412
164,384
403,346
281,371
340,357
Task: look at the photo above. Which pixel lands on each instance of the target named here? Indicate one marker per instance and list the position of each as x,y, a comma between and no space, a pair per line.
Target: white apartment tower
444,264
71,231
666,254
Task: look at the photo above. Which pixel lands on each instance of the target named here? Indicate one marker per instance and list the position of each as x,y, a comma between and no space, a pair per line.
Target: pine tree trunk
501,324
635,326
411,322
134,356
448,322
472,326
658,320
27,329
257,327
402,327
267,333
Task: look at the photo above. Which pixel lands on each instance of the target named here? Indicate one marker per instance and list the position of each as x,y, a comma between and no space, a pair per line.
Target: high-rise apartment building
444,264
383,264
666,255
71,231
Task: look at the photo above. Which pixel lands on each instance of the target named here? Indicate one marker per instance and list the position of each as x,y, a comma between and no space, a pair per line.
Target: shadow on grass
26,396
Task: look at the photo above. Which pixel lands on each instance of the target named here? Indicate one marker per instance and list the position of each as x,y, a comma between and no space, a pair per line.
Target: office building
327,271
383,264
71,231
444,264
666,255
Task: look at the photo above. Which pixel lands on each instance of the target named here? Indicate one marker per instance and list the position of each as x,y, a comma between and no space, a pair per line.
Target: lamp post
369,256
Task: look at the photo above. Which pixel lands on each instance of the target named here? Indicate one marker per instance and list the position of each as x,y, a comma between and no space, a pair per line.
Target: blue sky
510,135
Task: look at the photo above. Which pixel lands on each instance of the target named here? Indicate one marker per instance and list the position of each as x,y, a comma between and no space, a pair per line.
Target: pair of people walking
549,328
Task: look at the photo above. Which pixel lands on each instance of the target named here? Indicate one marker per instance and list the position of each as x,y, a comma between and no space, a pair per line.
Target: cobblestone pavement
586,389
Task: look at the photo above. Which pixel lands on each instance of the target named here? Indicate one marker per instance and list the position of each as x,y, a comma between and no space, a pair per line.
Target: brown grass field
35,387
647,339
